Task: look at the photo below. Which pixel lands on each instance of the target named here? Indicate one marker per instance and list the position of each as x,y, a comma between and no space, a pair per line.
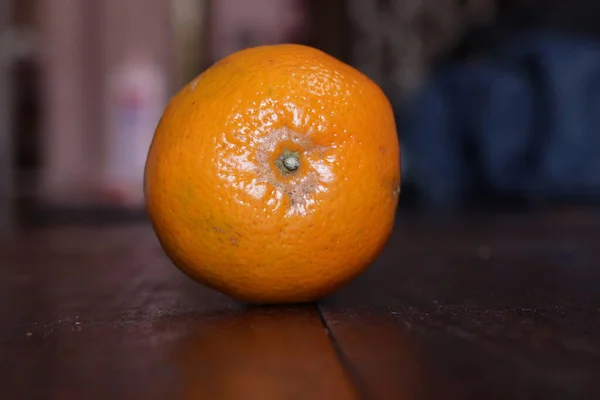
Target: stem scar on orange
274,176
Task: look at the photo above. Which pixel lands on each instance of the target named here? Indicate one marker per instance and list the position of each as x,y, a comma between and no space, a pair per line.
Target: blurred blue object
521,121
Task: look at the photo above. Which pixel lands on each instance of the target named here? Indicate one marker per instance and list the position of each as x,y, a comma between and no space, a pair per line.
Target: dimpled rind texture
227,215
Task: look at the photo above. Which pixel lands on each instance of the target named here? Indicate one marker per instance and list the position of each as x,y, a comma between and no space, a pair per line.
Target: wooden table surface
503,307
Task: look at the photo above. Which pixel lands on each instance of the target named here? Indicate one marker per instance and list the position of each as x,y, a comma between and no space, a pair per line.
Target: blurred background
497,102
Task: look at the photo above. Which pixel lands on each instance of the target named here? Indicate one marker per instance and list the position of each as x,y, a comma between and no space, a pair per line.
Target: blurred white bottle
137,95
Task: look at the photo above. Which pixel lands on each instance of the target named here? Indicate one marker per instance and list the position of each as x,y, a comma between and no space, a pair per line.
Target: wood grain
101,313
493,307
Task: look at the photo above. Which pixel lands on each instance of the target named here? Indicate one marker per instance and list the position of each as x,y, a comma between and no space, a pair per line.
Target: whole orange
274,176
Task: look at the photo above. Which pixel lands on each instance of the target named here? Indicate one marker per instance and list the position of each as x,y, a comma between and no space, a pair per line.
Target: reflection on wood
481,308
262,353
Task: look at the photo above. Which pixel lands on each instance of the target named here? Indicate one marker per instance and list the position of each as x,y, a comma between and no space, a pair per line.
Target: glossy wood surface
504,307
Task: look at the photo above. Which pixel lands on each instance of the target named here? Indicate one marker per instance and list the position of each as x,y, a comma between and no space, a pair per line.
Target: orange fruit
274,176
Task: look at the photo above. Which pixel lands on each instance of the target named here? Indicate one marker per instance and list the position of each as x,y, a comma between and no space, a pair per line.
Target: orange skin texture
231,218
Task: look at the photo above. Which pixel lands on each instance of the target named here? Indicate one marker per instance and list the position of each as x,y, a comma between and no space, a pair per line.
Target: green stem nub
291,163
288,162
